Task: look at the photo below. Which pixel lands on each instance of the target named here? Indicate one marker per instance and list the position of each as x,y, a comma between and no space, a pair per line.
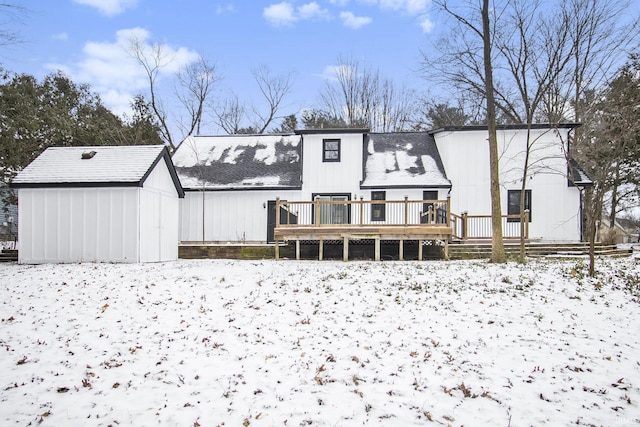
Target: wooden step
478,250
9,255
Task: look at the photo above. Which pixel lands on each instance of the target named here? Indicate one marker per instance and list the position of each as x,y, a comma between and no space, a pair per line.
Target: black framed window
378,210
330,150
513,206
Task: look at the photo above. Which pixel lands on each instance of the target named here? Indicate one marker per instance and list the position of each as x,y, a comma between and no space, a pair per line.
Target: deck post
526,224
361,210
419,250
297,249
345,249
320,249
276,225
317,204
376,248
446,249
406,210
401,250
448,211
464,225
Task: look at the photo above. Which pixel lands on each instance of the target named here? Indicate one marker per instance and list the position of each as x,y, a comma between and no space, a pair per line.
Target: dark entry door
426,207
286,217
271,220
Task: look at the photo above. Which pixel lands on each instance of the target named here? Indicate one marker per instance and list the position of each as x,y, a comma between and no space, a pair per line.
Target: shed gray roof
233,162
403,159
127,165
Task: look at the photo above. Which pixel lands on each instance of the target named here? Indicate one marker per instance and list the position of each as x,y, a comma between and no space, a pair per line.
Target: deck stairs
478,250
9,255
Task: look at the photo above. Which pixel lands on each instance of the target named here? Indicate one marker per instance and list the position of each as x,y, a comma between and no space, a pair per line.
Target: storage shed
99,204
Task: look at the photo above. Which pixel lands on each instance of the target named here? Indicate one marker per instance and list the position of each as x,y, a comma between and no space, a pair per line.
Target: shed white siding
99,204
78,225
159,213
554,203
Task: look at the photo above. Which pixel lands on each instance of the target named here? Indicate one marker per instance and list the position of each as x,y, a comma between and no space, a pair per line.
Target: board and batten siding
159,213
78,225
554,203
341,177
230,216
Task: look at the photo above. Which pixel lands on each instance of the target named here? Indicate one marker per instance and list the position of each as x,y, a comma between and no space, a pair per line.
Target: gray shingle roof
108,166
239,162
405,159
577,175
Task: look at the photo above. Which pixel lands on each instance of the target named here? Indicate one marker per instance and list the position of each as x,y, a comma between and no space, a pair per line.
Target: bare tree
535,51
469,65
273,88
230,114
152,60
549,59
195,85
234,116
602,34
196,81
10,14
360,97
497,246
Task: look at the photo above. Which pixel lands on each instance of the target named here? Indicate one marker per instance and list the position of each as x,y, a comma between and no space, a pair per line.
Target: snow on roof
90,165
239,161
578,176
403,160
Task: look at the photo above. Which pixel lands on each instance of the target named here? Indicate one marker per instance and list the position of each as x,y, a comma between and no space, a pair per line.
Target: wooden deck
402,220
377,234
385,220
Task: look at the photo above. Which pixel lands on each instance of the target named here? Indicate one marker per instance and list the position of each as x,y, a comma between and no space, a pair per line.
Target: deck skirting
418,233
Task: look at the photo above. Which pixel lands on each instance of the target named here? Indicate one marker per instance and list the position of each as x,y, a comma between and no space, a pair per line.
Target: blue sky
86,39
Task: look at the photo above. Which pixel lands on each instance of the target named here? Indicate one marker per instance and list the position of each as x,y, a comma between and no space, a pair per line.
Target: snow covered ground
265,343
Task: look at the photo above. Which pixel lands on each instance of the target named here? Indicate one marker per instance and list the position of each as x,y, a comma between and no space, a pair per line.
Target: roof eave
330,130
518,126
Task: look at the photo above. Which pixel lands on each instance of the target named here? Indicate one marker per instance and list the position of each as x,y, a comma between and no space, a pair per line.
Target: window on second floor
330,150
513,207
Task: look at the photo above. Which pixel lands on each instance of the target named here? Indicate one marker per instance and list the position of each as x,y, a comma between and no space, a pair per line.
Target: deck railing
479,227
381,213
388,213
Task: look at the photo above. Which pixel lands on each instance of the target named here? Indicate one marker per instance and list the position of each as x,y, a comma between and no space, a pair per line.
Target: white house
553,187
99,204
232,182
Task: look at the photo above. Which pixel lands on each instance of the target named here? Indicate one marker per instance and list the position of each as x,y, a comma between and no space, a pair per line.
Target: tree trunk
497,245
614,198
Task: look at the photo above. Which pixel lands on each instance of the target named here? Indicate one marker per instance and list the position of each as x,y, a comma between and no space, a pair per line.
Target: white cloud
351,21
227,8
285,14
312,10
340,3
114,73
109,7
60,36
280,14
332,72
427,25
412,7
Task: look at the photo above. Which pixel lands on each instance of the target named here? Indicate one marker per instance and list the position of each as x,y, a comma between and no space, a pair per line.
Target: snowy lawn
265,343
